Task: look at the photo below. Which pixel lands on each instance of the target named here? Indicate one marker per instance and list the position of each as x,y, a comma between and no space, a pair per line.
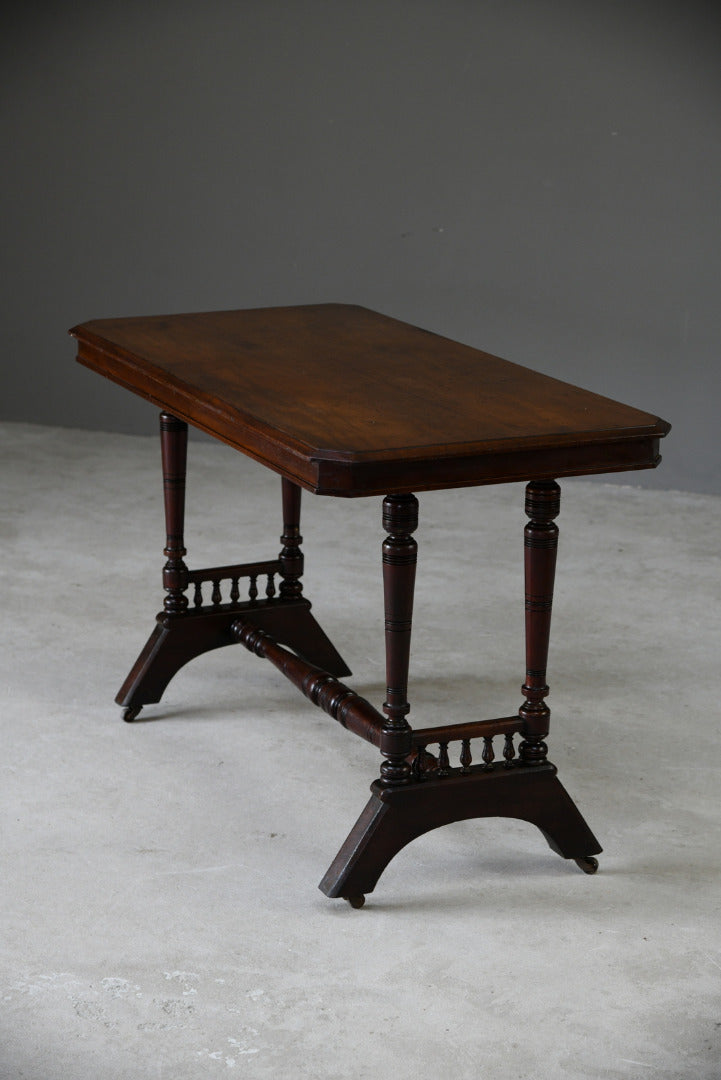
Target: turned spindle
489,754
400,554
543,503
174,450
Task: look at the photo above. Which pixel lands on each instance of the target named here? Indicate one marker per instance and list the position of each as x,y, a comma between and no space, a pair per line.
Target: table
342,401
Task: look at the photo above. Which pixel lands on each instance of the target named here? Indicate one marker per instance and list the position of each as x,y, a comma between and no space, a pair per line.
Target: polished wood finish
343,401
362,404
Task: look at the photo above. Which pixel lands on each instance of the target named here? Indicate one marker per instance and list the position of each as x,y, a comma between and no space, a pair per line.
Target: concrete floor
160,910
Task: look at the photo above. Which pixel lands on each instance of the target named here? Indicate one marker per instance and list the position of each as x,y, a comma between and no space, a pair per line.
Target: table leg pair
417,790
184,630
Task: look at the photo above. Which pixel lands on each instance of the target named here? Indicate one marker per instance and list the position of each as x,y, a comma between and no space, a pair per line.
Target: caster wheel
131,712
589,865
356,901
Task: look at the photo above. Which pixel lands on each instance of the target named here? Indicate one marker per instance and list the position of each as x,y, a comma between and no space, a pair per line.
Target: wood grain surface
346,401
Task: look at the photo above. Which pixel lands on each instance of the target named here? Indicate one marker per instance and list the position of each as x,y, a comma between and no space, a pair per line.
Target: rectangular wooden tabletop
345,401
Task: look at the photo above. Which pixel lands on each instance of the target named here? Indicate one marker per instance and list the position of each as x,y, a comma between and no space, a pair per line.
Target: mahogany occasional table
342,401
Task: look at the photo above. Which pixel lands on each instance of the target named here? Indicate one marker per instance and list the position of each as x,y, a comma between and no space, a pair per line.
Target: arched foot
589,865
395,816
356,900
131,712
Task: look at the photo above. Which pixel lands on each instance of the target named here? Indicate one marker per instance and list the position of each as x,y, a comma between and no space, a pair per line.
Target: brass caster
357,900
131,712
589,865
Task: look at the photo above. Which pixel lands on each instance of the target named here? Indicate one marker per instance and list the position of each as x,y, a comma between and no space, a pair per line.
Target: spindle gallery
343,402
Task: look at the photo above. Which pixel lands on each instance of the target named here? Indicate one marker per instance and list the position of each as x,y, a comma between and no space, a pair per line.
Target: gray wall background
538,178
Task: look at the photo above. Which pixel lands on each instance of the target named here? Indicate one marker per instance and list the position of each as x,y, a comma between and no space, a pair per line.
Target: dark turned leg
174,456
400,554
291,557
543,503
300,630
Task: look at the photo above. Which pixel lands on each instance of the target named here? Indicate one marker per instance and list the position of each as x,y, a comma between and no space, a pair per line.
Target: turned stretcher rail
335,698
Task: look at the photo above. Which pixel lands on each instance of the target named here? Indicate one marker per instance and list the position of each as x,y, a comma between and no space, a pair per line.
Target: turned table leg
174,455
400,555
291,556
543,503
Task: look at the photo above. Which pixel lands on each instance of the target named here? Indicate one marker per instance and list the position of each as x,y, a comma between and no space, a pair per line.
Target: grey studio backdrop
537,178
